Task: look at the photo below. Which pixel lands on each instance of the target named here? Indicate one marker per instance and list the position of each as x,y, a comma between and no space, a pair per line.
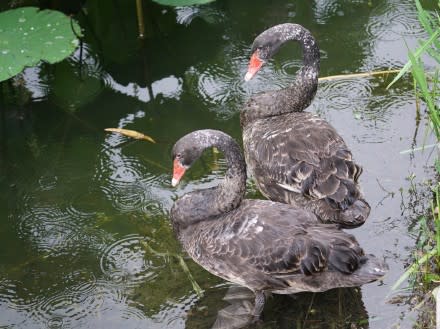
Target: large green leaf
28,35
182,2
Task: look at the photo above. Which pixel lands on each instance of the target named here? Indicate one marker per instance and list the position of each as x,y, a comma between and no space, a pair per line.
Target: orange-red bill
178,172
255,64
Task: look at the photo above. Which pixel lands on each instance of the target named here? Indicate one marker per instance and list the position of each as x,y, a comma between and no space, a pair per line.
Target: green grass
426,85
424,272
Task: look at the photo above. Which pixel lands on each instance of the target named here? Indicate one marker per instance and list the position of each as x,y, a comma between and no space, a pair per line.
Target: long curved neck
209,203
297,96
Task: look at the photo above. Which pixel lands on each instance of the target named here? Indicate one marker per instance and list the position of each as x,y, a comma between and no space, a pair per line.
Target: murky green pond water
85,240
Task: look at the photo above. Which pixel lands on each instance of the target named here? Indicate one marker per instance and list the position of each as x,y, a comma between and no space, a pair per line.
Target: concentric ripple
125,182
185,15
392,21
346,93
217,88
222,87
49,228
324,10
124,262
365,100
48,182
92,308
14,307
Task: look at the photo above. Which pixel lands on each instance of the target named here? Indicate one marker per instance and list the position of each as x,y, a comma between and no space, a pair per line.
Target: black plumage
261,244
296,157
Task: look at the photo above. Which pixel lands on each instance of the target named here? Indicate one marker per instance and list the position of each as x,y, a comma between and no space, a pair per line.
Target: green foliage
28,36
428,91
430,46
427,262
179,3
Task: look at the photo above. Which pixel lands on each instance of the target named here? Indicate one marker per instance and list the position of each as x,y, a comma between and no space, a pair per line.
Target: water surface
85,235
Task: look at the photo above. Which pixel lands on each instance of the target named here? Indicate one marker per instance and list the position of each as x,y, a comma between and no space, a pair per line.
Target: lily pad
28,35
181,3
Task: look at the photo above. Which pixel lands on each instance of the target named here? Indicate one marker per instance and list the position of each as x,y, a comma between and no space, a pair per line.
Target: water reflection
125,263
97,307
185,15
50,229
168,87
337,308
219,89
393,20
326,9
124,179
77,205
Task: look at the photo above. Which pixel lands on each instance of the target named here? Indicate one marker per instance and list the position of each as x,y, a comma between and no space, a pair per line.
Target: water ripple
51,229
90,308
365,100
14,307
185,15
347,93
392,21
48,182
124,262
217,88
325,10
127,184
171,312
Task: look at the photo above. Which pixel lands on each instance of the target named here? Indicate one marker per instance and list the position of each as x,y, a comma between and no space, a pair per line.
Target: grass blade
419,76
414,268
417,54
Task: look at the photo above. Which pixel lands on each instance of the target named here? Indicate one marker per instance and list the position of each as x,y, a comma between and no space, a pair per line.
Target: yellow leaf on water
131,133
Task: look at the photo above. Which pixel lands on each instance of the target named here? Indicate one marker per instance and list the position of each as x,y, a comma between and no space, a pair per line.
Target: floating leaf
131,133
28,35
181,3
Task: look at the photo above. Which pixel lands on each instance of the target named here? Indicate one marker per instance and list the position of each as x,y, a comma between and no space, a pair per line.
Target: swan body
260,244
296,157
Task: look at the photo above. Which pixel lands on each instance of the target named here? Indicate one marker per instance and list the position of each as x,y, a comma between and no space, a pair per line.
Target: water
85,236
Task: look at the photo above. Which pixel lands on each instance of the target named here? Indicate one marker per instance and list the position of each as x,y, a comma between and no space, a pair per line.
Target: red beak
178,171
255,64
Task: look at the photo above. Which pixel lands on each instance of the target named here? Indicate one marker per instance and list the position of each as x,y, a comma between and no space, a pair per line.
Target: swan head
186,151
264,47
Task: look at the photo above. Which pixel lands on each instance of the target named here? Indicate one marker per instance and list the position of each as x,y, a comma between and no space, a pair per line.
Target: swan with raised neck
297,96
296,157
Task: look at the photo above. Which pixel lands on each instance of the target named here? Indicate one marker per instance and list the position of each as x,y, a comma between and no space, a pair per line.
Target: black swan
296,157
260,244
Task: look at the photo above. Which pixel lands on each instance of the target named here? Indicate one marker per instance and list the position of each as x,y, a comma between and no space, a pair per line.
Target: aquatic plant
425,266
29,36
426,86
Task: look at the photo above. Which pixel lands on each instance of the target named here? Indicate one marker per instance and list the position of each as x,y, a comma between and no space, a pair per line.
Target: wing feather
272,241
308,157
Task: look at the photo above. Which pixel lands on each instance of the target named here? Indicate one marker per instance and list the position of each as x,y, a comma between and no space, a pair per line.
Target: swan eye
178,155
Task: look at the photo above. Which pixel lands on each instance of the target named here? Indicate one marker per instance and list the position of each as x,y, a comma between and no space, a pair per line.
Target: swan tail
371,269
355,215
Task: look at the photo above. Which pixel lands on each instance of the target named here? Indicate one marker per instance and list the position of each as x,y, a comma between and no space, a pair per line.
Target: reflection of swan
297,157
260,244
231,308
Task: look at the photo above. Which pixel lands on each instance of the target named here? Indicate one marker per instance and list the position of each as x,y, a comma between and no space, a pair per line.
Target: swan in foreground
263,245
